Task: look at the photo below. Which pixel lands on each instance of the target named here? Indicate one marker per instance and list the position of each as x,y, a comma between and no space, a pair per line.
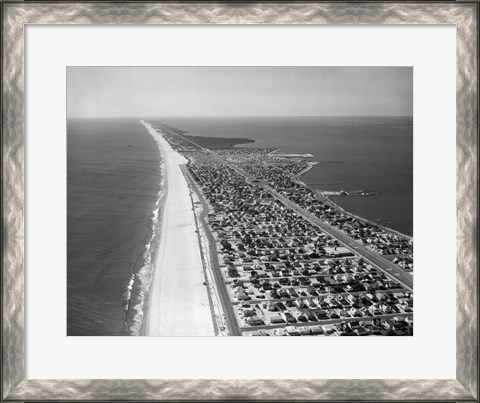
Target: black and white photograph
240,201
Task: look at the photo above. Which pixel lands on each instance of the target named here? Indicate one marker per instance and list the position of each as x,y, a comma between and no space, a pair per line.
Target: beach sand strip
178,301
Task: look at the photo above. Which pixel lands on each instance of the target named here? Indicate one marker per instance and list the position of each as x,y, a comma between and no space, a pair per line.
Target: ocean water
354,153
113,197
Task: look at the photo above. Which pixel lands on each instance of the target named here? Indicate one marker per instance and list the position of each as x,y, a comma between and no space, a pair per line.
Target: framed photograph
186,185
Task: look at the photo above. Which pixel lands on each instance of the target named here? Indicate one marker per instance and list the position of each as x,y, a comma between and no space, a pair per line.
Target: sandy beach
178,302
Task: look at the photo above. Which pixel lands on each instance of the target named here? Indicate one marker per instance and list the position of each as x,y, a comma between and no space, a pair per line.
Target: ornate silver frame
15,14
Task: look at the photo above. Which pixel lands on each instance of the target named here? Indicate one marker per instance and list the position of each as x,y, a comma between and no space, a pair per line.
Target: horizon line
239,116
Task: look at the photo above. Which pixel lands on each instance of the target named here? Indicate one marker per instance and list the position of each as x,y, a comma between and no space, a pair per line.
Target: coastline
318,192
337,206
178,302
264,132
159,224
326,199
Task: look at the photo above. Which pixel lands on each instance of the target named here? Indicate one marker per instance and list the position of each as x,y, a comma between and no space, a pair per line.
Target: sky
239,91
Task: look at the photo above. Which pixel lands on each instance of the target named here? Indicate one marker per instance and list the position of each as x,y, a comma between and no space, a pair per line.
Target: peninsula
277,258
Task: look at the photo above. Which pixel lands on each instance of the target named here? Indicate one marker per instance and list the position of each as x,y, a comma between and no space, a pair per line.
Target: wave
139,286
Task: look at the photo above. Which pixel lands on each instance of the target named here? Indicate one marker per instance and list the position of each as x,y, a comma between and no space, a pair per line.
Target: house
254,322
288,317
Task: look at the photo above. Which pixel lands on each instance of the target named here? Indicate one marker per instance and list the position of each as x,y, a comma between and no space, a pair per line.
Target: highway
227,306
390,269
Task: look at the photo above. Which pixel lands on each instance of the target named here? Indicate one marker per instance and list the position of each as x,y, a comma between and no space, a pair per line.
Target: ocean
114,191
354,153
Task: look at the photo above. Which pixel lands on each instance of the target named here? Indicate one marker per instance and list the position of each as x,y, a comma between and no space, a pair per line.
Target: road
321,295
204,263
326,322
390,269
230,317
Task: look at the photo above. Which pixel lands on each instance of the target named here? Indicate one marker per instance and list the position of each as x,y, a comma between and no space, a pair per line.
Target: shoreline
283,152
178,302
318,192
327,199
160,219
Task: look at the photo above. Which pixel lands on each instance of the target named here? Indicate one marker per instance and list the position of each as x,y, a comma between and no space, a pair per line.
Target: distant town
280,258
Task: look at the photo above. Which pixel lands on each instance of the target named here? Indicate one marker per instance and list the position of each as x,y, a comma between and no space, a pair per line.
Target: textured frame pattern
16,14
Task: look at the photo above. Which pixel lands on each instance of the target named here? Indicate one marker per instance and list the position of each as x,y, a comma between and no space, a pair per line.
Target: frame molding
465,15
